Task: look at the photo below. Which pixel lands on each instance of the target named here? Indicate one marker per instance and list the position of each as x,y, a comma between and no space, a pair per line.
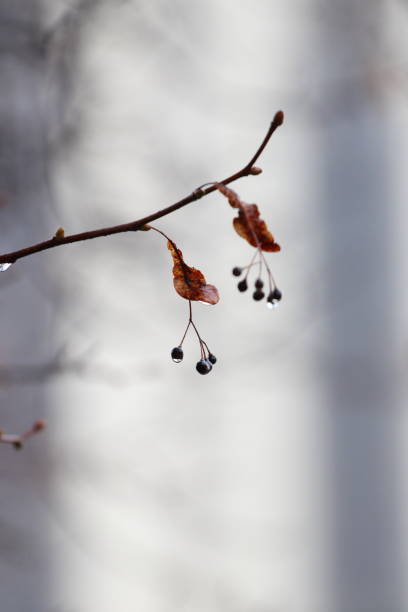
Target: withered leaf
190,282
249,224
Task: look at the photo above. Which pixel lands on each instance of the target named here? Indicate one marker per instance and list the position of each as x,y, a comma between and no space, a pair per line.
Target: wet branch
59,239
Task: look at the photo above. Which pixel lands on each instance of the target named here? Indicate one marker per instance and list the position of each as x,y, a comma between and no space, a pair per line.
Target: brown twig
59,239
18,440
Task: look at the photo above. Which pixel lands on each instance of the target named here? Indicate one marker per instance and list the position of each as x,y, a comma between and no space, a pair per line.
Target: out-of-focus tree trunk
365,552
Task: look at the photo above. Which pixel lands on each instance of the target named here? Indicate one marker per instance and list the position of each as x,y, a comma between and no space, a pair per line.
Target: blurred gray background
278,482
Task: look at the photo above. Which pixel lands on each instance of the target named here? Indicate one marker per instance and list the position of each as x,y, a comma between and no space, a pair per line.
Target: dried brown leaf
249,224
190,282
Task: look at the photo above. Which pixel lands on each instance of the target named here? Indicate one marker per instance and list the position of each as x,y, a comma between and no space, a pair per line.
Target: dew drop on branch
5,266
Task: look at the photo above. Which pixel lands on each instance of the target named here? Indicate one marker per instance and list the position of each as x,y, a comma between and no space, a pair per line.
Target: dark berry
275,296
203,366
259,283
242,285
212,358
258,295
237,271
177,354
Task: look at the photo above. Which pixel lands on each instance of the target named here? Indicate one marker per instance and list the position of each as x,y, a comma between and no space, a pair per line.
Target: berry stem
271,280
191,322
249,266
199,339
206,346
185,333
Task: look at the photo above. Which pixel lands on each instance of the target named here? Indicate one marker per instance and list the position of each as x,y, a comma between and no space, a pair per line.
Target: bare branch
59,239
18,440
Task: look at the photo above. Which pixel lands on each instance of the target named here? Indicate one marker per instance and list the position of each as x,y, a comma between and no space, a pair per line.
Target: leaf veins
190,282
249,224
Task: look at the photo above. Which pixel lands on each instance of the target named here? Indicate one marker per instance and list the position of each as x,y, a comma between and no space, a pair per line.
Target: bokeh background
278,482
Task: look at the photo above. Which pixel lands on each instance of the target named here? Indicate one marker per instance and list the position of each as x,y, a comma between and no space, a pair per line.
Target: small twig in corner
18,440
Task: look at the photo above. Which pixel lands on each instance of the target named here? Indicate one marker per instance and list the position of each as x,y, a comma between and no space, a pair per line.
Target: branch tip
278,118
39,425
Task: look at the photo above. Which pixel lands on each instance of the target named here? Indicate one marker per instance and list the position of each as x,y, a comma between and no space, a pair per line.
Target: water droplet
177,360
272,304
5,266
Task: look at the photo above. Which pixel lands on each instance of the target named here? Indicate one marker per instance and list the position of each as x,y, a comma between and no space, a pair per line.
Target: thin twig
59,239
17,440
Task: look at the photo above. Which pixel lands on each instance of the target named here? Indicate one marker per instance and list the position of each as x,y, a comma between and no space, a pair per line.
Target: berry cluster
274,294
205,364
